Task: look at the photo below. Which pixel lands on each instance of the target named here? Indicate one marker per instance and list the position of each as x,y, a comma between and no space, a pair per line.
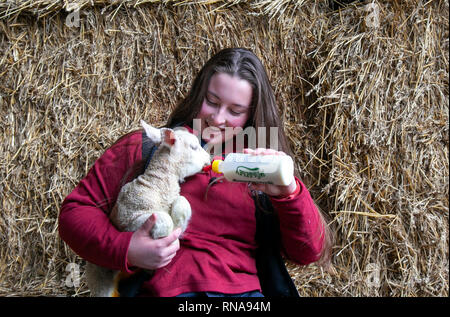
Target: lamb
157,190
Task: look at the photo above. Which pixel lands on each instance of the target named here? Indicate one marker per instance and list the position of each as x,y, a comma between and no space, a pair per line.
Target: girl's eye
234,113
209,102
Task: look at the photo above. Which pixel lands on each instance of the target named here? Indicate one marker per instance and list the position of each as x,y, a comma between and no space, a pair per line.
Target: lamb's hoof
163,226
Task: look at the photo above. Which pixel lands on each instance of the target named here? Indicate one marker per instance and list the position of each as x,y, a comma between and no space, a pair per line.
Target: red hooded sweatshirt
217,249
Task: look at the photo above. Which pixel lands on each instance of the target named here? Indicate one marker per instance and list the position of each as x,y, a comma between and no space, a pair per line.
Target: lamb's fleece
156,191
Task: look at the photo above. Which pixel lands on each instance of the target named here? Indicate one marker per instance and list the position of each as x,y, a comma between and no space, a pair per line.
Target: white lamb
157,190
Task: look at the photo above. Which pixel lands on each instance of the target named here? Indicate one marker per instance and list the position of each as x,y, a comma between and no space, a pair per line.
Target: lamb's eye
194,147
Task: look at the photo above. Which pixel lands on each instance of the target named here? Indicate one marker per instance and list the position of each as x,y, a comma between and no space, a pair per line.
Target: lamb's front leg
181,212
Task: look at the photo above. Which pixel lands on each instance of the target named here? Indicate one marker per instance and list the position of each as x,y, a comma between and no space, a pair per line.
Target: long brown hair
245,65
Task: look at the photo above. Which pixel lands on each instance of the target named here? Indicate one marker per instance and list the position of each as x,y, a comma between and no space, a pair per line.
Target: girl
216,254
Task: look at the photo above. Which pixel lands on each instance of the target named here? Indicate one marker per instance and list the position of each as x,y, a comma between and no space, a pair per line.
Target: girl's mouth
214,128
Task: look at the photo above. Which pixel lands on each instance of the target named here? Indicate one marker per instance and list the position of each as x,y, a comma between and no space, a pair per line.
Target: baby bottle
270,169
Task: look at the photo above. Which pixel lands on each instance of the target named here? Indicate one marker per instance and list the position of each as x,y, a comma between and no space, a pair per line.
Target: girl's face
226,104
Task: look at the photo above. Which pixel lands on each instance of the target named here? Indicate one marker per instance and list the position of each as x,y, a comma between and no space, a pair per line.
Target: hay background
366,109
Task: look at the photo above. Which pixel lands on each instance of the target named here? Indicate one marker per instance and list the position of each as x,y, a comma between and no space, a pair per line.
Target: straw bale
365,107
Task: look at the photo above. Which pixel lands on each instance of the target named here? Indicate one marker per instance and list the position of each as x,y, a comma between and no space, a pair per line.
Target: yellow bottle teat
215,166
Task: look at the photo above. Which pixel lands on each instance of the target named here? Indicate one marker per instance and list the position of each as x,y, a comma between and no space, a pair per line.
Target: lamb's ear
168,137
153,133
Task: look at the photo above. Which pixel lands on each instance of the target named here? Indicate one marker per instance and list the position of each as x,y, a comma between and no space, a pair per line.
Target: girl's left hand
269,189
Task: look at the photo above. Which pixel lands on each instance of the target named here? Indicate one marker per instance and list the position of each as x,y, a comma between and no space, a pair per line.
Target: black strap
130,286
272,273
148,149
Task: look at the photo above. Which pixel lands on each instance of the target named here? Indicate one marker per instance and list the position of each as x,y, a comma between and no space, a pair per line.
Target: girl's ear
153,133
168,137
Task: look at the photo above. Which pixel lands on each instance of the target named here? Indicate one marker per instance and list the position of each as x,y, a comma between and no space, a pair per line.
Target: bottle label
249,172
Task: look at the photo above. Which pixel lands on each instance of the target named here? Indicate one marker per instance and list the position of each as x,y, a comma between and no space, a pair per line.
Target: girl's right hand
148,253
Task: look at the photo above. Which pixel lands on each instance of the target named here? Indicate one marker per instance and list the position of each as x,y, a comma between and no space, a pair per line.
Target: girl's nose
218,118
